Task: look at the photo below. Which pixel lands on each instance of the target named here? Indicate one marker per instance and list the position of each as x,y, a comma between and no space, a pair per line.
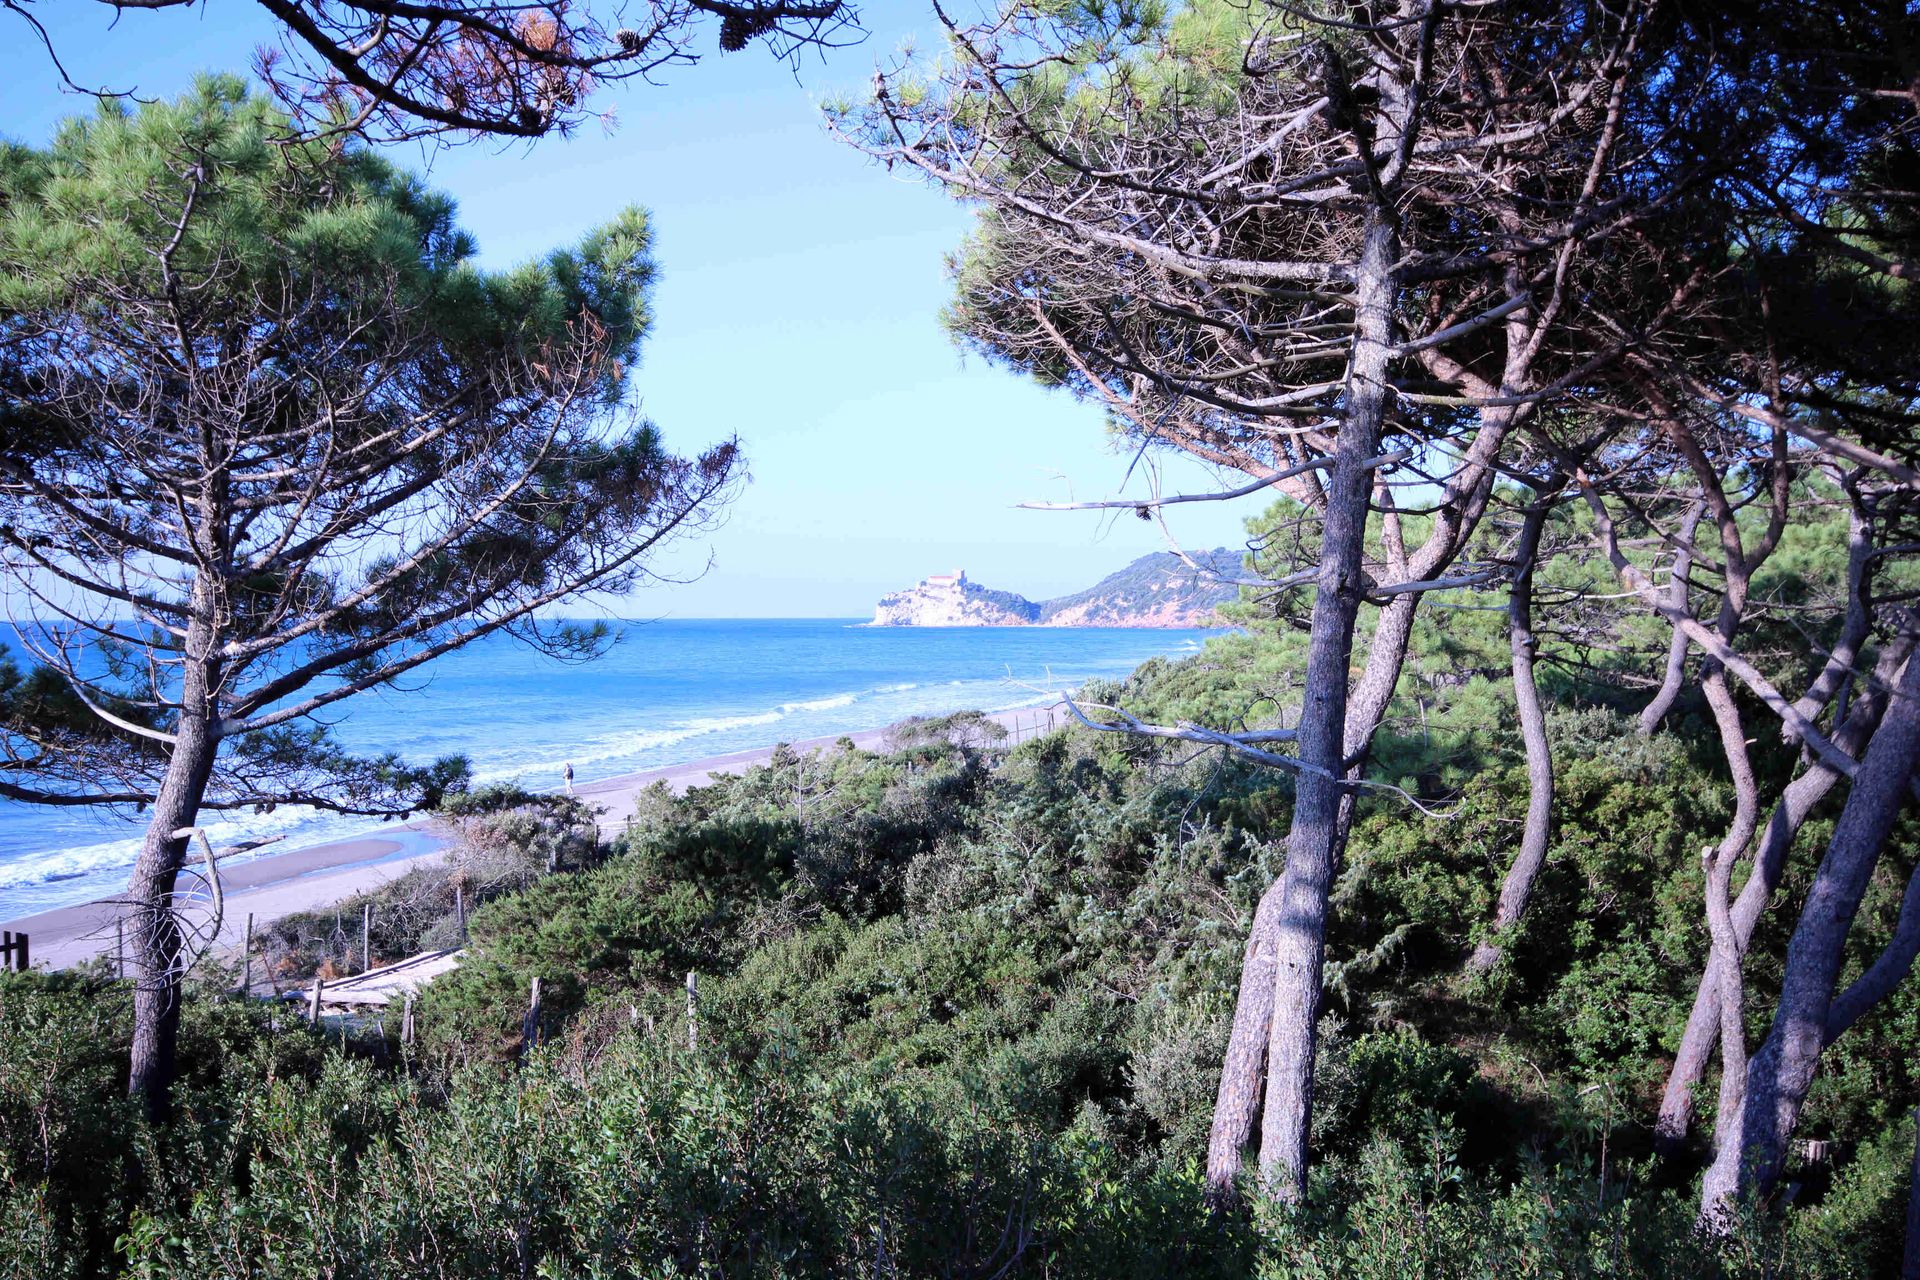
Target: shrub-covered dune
960,1013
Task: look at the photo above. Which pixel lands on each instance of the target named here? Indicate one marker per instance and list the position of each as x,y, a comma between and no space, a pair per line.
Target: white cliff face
956,604
1154,591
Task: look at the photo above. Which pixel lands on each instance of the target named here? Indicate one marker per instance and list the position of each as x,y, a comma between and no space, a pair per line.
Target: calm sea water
668,693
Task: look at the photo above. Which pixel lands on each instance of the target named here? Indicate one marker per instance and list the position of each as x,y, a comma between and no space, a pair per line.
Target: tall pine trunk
1518,886
1675,675
157,941
1312,844
1752,1147
1790,812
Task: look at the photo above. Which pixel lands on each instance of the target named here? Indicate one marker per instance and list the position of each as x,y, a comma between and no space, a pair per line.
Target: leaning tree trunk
1237,1103
1796,803
1518,887
1676,671
1702,1035
1888,970
157,939
1782,1069
1910,1257
1312,843
1717,864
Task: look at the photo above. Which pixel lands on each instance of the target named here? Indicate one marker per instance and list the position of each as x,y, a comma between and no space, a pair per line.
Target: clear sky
797,307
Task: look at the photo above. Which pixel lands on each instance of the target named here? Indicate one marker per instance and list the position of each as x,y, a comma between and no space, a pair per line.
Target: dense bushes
961,1013
501,839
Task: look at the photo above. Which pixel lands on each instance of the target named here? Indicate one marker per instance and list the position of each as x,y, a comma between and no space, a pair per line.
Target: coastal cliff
950,600
1158,590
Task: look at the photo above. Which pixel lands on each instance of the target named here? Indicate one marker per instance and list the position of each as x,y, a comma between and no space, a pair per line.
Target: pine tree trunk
1518,886
1676,673
1888,970
1782,1069
1312,844
1796,803
1910,1258
1702,1035
1718,864
1237,1104
156,937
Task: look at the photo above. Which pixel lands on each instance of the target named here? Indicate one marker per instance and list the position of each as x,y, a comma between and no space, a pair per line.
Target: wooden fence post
693,1010
313,1002
460,911
406,1019
246,960
366,937
530,1028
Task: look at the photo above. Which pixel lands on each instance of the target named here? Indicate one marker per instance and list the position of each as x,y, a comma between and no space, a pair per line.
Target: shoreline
283,884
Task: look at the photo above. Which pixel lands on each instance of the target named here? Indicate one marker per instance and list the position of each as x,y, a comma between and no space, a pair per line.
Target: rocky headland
1158,590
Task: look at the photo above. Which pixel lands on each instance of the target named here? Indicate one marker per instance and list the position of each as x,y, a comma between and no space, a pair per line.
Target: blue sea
666,694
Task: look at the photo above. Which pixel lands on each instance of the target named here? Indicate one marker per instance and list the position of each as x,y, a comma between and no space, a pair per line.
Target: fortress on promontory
1159,590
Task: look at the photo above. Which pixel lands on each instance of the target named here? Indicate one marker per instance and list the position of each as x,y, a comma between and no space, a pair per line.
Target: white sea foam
297,825
820,704
632,748
69,864
720,724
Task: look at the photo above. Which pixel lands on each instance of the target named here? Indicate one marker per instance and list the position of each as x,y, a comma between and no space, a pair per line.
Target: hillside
1157,590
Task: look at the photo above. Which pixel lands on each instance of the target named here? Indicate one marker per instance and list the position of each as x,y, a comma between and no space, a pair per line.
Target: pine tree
272,439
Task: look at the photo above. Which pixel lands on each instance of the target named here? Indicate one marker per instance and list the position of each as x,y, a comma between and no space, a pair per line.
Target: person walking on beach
569,777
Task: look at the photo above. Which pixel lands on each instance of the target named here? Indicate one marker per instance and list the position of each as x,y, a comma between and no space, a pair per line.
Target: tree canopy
1387,259
273,439
480,68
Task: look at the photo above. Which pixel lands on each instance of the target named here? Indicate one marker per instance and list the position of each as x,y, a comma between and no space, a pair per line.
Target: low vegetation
961,1010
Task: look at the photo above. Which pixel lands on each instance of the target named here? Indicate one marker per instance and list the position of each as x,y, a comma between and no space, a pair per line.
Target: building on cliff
1158,590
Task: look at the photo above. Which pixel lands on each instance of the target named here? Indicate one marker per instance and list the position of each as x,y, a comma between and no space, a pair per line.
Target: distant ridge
1158,590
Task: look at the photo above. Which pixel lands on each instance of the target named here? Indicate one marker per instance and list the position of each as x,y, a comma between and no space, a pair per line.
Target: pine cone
628,39
739,28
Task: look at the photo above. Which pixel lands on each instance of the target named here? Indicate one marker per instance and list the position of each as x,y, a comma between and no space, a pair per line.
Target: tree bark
1888,970
1910,1257
1796,803
157,939
1518,886
1237,1104
1676,673
1718,863
1311,844
1782,1069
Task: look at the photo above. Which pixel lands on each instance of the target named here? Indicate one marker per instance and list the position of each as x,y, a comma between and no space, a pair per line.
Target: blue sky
797,308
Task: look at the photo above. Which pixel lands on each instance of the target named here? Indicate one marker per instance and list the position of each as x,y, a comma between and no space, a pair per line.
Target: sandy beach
303,879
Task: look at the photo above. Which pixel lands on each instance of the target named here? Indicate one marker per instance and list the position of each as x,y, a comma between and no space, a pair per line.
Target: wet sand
304,879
